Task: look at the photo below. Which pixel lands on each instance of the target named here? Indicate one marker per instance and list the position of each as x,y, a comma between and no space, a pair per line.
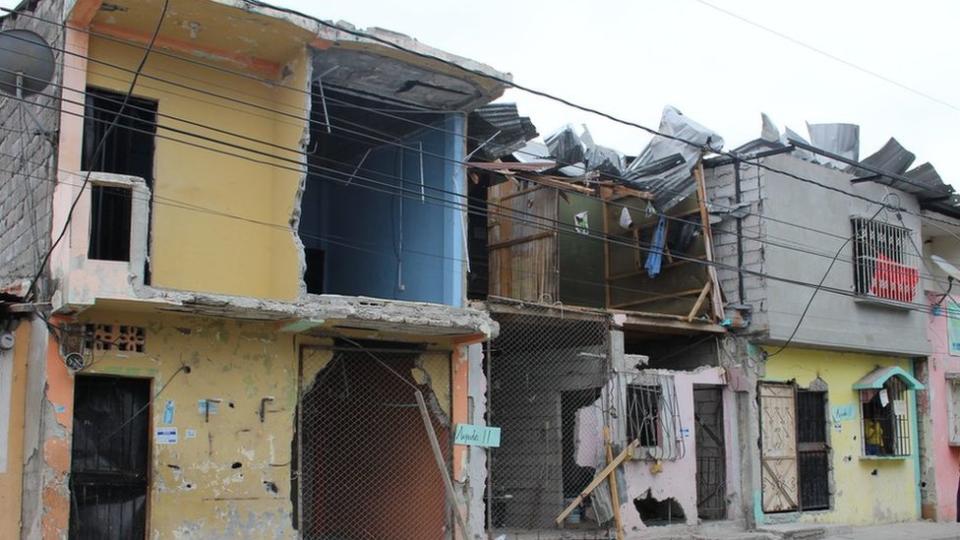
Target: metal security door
711,455
778,446
108,470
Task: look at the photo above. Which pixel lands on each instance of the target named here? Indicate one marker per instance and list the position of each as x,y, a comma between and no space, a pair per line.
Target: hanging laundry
655,257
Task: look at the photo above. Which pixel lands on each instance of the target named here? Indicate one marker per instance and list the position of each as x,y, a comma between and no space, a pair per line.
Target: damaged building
836,381
254,323
597,267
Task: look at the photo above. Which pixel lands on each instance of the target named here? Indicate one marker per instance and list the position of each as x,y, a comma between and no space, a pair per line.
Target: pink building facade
938,412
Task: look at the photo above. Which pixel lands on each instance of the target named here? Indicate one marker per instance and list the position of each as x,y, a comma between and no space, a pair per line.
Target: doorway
364,462
109,471
710,451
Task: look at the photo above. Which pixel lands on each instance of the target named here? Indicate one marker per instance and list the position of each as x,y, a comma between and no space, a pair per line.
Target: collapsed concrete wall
666,471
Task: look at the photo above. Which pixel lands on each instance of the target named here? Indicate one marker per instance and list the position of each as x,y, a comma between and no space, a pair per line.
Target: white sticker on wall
166,435
190,434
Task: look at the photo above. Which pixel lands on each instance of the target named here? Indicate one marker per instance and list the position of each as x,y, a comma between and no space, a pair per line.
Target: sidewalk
900,531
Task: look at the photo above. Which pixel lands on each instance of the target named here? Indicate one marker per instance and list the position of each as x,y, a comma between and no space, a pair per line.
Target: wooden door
778,446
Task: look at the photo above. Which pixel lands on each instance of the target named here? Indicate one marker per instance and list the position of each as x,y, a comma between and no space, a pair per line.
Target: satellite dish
950,270
26,63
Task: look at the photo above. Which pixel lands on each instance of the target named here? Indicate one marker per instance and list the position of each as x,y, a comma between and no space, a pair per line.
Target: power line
311,121
912,306
817,289
99,149
829,55
446,203
687,142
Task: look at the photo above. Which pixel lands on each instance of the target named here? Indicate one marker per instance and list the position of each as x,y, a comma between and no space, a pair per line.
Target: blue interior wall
380,236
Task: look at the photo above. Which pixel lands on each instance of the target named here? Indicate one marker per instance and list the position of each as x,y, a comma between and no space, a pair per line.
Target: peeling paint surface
877,491
676,479
940,463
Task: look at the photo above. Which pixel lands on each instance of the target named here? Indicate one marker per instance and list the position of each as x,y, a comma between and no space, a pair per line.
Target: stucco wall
13,371
241,210
940,463
833,320
866,491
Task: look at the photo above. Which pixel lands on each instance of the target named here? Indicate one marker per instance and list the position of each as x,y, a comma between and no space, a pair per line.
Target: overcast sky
630,58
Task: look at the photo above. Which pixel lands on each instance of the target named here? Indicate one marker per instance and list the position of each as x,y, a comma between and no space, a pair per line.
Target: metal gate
711,455
778,446
365,462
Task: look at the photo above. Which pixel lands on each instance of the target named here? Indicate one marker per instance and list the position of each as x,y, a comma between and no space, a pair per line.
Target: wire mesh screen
544,369
365,463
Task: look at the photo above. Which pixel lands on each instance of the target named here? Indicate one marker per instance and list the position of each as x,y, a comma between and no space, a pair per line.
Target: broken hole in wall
655,512
363,459
380,216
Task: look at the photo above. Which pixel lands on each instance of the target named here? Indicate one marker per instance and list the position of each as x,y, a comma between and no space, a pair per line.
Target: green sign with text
470,435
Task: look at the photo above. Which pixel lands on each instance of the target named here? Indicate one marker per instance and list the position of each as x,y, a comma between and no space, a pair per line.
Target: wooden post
614,493
715,295
598,479
452,498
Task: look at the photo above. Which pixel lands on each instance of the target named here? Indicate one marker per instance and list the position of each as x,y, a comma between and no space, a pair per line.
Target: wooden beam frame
83,12
260,66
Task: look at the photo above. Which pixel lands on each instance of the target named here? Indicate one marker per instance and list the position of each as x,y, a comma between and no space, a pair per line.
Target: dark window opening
643,414
109,458
313,275
376,199
575,477
110,214
812,453
886,425
478,280
128,149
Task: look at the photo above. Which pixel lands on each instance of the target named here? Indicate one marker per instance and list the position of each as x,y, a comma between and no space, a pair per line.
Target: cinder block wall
28,157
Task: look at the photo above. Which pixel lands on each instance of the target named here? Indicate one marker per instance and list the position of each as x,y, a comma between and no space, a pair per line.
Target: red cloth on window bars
894,281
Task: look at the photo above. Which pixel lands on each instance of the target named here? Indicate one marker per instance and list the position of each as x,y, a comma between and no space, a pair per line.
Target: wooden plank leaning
452,498
598,479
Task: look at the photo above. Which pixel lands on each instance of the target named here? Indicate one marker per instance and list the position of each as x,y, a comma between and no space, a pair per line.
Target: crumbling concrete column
744,365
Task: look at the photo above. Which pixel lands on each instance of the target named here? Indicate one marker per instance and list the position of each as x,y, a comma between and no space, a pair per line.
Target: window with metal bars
885,263
643,414
886,424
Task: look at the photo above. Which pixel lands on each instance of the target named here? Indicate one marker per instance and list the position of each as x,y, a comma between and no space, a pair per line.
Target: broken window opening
886,425
575,477
126,149
110,220
377,202
653,417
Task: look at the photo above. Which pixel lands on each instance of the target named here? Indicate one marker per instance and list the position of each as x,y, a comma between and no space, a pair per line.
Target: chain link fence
363,461
545,367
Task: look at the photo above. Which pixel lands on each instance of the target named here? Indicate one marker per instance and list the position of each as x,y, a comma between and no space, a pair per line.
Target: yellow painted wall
860,497
235,236
11,479
196,492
